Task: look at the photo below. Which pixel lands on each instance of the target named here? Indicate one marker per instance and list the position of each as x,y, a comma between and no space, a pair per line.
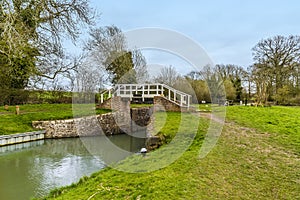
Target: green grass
244,164
283,123
11,123
140,105
203,107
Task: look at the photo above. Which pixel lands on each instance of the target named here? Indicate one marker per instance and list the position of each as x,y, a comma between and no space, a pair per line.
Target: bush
295,101
13,96
19,96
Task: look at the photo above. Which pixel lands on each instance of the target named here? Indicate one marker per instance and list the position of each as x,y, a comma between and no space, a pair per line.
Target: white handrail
102,95
151,90
173,89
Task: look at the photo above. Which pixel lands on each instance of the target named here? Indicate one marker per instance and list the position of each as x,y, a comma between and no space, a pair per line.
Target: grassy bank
11,123
140,105
246,163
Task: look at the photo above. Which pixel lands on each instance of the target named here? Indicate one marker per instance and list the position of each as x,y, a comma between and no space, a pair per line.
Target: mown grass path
282,122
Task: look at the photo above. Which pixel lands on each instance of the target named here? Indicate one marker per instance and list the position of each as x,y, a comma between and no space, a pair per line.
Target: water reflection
113,149
21,146
41,167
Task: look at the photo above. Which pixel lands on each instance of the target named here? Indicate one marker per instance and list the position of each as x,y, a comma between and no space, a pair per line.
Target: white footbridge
146,92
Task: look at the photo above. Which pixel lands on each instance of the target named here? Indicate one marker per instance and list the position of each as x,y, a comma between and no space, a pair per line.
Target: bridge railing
103,95
151,90
177,96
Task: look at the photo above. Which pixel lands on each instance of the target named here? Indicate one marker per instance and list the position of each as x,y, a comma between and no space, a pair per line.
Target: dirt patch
210,116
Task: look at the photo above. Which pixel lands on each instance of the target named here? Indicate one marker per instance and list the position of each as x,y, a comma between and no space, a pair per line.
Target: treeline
212,84
21,96
236,84
274,77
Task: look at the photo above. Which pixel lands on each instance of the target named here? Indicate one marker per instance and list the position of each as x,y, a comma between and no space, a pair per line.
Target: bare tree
279,56
215,84
103,42
107,46
88,77
140,67
167,75
263,83
236,75
65,69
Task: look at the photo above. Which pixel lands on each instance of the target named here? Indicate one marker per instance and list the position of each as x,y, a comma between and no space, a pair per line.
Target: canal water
34,169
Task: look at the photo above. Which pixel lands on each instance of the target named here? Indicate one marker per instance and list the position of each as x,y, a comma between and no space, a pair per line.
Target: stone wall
142,119
114,123
86,126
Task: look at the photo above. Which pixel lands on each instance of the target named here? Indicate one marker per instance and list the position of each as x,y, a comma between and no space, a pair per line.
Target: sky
227,30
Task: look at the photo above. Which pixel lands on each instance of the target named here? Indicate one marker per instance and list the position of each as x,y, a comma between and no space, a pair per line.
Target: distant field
11,123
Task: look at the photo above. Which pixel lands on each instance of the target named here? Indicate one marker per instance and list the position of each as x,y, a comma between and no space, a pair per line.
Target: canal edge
21,137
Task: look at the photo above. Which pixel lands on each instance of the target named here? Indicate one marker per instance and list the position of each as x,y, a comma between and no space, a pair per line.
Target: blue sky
227,29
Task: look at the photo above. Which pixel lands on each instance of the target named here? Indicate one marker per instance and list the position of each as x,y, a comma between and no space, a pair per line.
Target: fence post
17,110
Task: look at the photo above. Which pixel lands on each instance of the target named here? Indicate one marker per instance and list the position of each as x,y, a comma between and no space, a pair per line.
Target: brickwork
163,104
